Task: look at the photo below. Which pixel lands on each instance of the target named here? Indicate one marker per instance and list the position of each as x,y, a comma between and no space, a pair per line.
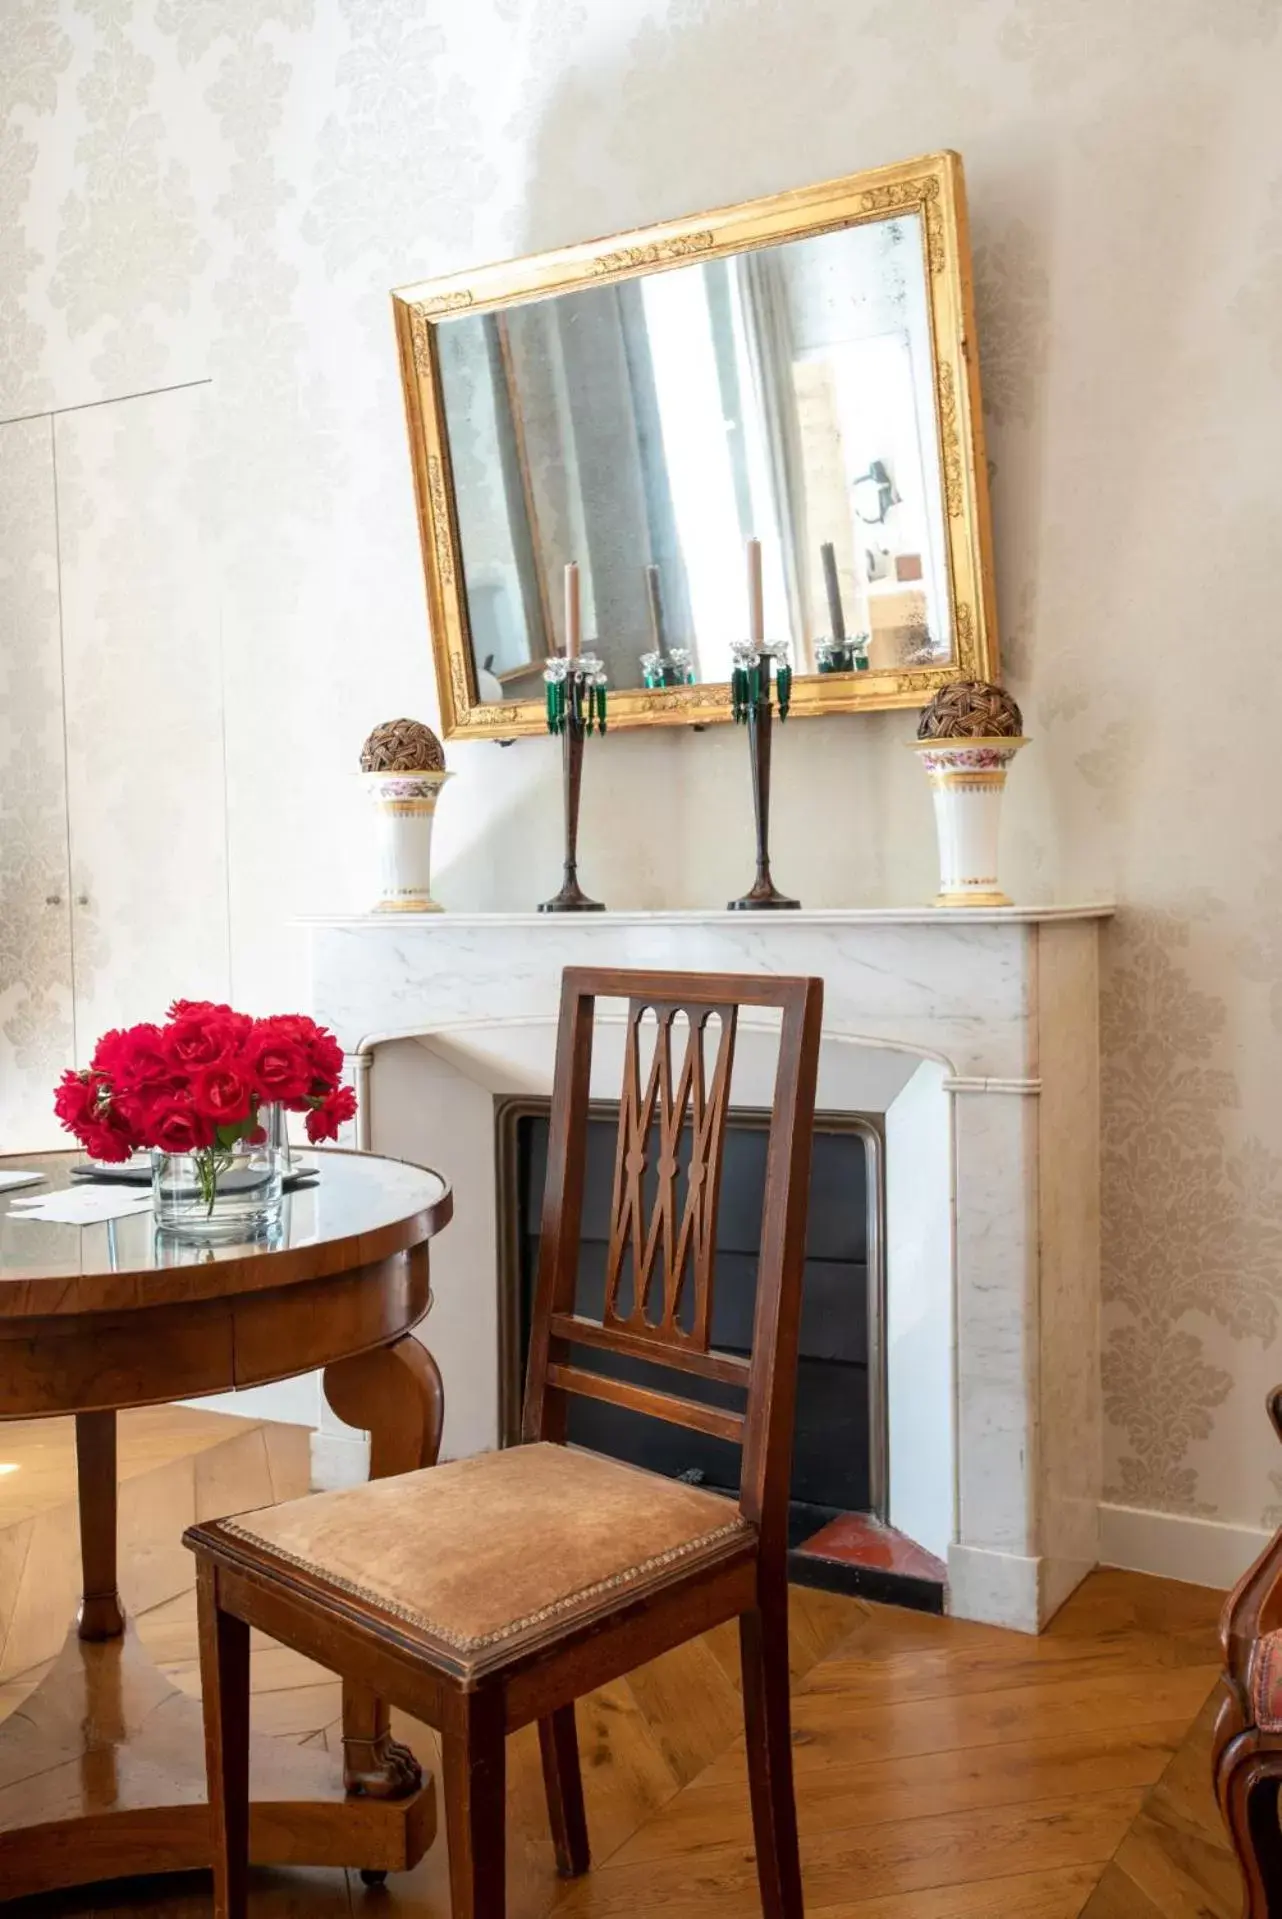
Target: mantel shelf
942,916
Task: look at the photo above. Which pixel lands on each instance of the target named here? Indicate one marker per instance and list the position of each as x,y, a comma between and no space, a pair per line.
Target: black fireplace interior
834,1468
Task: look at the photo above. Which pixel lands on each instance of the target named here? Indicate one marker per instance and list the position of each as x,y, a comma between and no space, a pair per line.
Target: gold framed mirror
801,369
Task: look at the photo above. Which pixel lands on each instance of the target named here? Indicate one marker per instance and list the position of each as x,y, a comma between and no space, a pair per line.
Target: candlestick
839,653
664,665
575,685
832,586
751,703
573,635
756,609
656,611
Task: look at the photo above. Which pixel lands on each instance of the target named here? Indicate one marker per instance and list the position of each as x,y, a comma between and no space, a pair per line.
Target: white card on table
82,1205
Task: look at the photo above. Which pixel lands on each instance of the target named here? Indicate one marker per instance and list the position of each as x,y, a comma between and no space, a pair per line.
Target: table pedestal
102,1776
102,1769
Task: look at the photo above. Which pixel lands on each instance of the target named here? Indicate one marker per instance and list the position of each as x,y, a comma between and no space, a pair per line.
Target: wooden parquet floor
944,1771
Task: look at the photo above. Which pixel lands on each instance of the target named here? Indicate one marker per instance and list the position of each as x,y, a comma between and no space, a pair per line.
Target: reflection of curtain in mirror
769,352
533,587
505,614
595,465
538,384
600,419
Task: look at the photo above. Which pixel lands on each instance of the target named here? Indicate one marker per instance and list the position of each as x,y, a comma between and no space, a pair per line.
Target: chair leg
763,1643
1249,1802
224,1683
563,1780
473,1759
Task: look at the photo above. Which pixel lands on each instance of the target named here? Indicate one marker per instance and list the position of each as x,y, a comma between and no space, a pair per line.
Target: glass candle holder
674,667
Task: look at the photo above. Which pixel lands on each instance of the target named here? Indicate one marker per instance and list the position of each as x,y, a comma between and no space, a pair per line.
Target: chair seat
482,1555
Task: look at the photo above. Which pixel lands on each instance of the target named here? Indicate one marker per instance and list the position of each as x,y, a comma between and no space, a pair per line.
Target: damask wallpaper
226,189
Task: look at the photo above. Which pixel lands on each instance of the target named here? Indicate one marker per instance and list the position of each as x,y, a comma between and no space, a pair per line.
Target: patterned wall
227,189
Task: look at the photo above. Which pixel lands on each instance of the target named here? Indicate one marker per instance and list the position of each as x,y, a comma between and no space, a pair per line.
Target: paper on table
81,1206
9,1180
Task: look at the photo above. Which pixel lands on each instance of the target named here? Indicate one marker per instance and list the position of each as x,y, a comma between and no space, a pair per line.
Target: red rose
239,1023
179,1127
324,1120
324,1053
75,1100
201,1036
106,1142
327,1054
277,1063
83,1104
179,1008
109,1051
221,1094
136,1057
139,1105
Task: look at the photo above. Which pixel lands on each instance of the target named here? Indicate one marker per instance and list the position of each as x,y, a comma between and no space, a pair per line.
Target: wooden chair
484,1595
1246,1753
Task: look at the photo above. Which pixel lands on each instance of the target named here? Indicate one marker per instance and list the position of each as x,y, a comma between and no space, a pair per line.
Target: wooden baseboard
1200,1552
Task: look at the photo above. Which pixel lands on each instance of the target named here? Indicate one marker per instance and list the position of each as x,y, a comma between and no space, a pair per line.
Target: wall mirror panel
800,369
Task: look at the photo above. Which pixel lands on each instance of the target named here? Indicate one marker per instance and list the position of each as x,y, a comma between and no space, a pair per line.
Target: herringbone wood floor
944,1771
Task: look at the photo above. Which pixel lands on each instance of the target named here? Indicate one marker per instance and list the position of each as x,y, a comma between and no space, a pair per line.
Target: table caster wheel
372,1877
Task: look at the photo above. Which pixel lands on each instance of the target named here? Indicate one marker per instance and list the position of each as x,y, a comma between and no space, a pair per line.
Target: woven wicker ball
402,746
971,710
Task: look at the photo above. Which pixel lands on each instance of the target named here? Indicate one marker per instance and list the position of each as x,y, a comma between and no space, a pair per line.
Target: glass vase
223,1193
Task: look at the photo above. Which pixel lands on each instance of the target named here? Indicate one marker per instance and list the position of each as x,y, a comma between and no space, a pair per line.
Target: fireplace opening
839,1472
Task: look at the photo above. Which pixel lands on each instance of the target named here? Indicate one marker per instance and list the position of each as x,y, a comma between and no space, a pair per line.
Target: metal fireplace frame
870,1127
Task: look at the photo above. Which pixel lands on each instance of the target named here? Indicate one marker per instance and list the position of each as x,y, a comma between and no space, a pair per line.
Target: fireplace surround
973,1034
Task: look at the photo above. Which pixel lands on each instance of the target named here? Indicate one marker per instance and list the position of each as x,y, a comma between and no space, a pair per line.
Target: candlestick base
572,899
765,897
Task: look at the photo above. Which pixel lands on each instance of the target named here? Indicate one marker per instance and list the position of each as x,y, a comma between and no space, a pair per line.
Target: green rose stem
210,1166
213,1161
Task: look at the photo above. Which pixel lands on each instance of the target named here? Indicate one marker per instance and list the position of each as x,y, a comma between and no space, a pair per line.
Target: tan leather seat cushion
478,1552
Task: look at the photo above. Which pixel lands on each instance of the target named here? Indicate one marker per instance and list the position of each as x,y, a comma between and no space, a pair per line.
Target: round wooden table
102,1768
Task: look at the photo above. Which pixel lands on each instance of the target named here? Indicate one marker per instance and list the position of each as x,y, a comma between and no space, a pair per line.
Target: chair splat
670,1244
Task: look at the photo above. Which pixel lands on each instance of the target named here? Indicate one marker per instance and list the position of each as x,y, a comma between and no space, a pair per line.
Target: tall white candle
756,613
572,632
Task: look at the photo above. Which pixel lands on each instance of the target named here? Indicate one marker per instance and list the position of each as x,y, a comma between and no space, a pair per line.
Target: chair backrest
661,1255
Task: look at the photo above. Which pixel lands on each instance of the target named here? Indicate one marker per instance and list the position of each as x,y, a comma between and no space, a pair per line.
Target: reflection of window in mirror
714,453
598,485
858,331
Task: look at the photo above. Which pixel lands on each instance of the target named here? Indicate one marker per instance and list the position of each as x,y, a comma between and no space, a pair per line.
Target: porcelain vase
404,807
968,778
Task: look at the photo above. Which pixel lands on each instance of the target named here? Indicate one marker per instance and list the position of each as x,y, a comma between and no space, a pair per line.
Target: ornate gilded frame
932,187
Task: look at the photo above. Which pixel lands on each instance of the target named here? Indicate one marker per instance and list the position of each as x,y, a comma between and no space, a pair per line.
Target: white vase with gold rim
968,778
405,807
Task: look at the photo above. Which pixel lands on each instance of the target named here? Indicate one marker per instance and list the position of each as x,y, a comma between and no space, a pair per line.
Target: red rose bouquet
197,1085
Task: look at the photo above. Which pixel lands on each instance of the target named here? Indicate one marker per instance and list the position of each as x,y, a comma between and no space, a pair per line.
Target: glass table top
358,1197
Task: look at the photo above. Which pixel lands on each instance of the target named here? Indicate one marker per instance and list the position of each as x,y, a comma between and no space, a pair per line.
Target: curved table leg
101,1614
395,1395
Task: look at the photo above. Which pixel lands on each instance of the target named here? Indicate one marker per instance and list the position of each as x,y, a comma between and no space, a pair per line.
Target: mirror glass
648,428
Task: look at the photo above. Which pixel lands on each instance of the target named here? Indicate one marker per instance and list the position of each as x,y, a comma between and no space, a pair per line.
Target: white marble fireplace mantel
974,1030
